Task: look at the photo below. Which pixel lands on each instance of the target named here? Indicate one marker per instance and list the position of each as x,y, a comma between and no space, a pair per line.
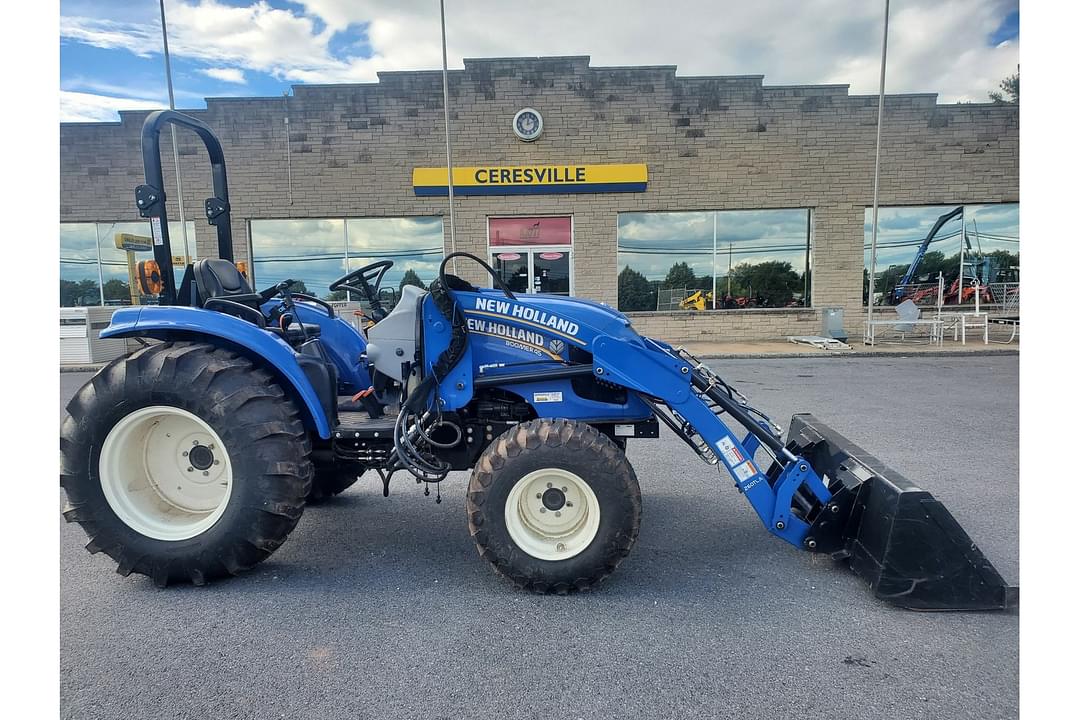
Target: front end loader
193,457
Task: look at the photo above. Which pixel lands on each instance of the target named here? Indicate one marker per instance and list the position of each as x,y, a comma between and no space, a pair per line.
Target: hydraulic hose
736,411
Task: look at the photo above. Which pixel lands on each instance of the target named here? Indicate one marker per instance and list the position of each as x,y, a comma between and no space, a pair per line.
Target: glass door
551,272
533,254
513,270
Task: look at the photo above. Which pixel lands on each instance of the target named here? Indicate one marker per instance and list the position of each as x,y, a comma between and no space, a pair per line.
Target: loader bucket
893,534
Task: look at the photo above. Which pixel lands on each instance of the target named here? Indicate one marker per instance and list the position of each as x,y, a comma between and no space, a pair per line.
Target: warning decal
745,471
543,397
155,230
732,456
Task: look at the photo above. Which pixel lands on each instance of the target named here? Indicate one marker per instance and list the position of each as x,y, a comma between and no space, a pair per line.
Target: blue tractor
192,458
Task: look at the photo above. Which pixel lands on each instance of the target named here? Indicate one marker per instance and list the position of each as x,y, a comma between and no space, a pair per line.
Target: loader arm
822,493
696,396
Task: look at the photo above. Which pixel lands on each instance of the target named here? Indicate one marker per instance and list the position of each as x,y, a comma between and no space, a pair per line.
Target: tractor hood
532,334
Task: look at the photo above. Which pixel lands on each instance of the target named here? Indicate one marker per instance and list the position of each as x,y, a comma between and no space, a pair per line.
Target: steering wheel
365,282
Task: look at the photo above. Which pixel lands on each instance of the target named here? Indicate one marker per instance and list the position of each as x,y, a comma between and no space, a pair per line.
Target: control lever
274,290
290,306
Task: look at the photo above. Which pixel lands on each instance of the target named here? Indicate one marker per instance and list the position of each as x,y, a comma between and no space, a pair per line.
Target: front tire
554,506
184,462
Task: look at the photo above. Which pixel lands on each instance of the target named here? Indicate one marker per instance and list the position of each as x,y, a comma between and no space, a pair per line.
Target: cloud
934,46
257,37
88,107
229,75
111,35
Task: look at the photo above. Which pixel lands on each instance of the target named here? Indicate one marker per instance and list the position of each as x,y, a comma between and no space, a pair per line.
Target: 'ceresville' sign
532,179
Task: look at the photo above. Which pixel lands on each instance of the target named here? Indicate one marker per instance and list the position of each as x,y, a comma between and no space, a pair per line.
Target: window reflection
315,252
981,243
759,258
311,252
414,244
79,281
95,270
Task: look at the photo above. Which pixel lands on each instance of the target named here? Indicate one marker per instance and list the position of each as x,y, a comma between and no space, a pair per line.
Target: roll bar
150,197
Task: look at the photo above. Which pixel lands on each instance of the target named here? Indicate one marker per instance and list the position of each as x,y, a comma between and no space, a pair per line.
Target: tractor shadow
687,549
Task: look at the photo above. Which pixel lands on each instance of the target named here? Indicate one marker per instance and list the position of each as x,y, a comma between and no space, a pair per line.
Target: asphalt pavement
381,608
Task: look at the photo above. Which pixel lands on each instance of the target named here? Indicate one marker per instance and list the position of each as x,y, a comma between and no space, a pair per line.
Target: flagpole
877,177
175,147
449,147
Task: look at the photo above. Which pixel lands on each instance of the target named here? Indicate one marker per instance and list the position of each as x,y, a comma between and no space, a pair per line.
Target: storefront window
714,260
976,243
96,270
315,252
79,280
311,252
414,244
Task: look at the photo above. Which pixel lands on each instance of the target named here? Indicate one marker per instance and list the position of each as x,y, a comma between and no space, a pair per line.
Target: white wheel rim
165,473
552,514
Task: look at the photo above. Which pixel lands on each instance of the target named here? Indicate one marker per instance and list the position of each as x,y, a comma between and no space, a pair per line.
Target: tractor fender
173,323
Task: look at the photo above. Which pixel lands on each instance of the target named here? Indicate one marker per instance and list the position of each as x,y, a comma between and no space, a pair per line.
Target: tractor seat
221,287
217,278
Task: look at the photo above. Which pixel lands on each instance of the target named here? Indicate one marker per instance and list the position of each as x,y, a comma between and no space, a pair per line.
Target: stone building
689,182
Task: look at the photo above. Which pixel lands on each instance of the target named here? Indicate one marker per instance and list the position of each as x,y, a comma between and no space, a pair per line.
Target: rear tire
125,445
554,506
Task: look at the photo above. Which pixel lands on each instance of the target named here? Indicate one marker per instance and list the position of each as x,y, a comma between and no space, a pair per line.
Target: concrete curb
80,368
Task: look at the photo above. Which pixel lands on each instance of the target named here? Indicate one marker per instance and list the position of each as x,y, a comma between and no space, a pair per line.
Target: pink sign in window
529,231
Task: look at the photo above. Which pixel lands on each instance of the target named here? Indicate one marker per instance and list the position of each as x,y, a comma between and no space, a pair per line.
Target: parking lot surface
381,607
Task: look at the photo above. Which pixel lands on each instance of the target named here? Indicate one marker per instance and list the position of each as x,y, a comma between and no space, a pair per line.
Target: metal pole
714,260
288,150
877,175
175,147
729,268
963,244
100,274
449,147
348,263
806,264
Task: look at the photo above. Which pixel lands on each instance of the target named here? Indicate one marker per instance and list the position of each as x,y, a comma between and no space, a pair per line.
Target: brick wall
690,326
729,143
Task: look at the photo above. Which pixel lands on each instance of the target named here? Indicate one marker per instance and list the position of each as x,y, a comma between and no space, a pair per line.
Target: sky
111,50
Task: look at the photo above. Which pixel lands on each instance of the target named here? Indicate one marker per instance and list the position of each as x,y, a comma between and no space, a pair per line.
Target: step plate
362,425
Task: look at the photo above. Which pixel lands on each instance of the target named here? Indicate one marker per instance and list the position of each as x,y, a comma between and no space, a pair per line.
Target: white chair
906,320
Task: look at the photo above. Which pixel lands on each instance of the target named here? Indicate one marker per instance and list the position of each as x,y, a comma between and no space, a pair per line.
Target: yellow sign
532,179
137,243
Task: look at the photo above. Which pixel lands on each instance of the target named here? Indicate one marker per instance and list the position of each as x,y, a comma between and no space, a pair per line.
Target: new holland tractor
192,458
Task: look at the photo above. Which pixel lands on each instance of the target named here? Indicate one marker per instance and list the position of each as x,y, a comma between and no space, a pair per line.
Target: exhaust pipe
893,534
